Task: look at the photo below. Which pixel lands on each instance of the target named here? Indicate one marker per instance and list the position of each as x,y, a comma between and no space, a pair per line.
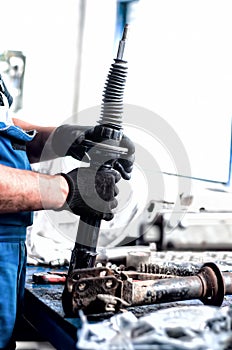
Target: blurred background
55,56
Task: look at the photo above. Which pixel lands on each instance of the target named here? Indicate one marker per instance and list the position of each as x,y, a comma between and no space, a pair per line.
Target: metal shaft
210,286
84,252
122,43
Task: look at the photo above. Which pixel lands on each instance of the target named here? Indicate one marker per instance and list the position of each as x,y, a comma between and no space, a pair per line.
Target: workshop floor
32,345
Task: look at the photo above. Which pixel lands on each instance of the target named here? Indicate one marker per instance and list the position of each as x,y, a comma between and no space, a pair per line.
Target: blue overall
12,235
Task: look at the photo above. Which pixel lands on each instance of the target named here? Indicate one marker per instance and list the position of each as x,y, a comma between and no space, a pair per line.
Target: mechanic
23,191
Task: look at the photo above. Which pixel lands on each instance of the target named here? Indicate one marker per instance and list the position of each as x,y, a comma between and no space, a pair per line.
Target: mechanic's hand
67,139
92,193
124,165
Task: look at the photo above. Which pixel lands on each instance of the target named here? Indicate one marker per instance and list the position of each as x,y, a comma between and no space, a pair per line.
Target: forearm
36,146
22,190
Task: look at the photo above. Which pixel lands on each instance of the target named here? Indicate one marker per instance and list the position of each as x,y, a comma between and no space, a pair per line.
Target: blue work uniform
12,234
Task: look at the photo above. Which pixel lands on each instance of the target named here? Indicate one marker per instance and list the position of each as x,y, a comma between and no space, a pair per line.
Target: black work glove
92,193
3,90
67,139
124,165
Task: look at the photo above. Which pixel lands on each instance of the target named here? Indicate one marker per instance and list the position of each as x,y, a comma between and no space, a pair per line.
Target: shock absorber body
105,149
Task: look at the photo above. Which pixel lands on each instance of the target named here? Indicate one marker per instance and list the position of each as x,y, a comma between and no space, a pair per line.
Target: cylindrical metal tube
164,290
209,285
84,252
168,290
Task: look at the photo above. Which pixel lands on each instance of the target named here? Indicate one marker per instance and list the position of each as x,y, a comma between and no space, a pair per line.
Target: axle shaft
210,286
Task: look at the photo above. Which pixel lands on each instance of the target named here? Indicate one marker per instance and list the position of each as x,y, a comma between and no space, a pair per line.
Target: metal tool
49,277
105,145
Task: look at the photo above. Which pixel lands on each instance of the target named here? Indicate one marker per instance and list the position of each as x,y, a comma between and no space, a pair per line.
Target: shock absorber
112,104
105,146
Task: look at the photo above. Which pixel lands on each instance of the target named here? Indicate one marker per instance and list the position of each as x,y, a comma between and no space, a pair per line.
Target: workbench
44,311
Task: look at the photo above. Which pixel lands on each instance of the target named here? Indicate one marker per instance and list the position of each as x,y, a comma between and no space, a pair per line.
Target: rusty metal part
111,302
97,290
176,268
210,286
85,285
